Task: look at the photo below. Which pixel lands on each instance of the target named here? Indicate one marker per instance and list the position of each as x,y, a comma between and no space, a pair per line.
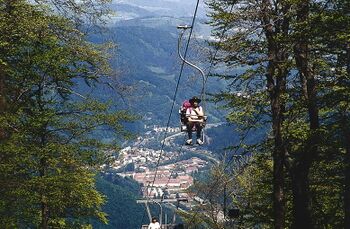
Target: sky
174,8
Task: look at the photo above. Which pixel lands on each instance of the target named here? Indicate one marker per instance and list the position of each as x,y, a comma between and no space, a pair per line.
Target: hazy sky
179,8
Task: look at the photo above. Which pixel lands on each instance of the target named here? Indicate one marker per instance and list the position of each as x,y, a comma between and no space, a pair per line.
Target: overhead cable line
212,64
175,93
174,99
205,78
176,90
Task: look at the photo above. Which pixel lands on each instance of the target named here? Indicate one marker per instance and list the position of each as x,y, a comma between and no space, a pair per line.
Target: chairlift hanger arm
184,28
183,59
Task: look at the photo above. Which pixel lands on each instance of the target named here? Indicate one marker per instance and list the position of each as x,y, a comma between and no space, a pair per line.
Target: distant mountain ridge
147,59
147,63
128,9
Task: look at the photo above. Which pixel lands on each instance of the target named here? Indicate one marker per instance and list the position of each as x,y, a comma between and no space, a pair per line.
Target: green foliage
50,155
248,43
253,195
327,189
121,206
211,190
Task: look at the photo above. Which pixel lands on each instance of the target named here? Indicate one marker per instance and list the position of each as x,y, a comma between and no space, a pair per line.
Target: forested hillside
296,81
79,82
147,60
121,207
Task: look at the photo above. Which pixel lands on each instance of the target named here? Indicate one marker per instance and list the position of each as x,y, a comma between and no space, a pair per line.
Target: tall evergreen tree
294,45
50,152
304,158
331,28
256,39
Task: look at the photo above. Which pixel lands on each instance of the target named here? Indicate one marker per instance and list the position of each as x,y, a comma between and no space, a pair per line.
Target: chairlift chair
183,118
184,121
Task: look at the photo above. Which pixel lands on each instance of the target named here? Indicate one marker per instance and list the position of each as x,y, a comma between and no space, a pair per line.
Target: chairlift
182,111
165,224
184,121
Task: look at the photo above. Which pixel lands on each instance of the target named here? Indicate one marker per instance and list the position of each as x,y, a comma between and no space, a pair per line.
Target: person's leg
199,130
199,133
189,132
183,117
184,121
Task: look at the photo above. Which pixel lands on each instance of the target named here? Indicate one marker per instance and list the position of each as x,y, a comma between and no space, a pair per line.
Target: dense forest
297,60
49,152
290,104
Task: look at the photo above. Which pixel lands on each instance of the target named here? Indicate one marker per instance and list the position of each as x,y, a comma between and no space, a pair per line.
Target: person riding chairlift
185,105
195,117
154,224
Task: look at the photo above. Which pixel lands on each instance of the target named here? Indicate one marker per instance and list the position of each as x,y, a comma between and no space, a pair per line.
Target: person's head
154,220
186,104
195,101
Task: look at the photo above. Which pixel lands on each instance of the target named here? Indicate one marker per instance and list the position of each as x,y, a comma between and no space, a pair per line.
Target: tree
209,193
333,52
286,54
51,151
261,46
252,192
304,159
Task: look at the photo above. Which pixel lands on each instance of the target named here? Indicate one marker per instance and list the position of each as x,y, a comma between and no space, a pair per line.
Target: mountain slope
147,60
121,206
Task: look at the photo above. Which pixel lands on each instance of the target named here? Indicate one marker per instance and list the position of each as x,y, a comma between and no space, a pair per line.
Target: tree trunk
276,82
44,214
274,87
278,165
2,99
279,151
43,201
347,156
347,181
43,171
300,176
300,190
